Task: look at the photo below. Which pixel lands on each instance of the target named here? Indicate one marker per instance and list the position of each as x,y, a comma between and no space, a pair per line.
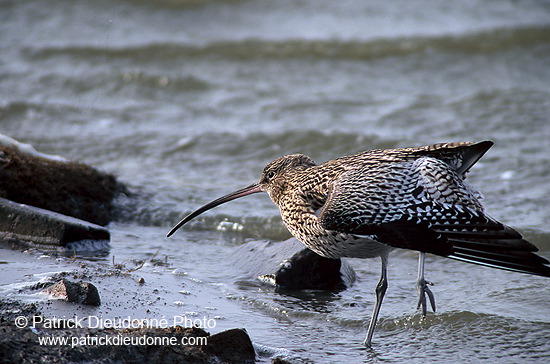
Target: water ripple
471,43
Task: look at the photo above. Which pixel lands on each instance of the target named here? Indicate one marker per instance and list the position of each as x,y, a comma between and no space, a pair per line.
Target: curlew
367,204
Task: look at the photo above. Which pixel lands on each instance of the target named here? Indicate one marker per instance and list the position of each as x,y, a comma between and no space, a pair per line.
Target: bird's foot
423,291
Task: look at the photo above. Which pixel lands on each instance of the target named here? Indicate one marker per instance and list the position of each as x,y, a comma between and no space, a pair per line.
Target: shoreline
37,327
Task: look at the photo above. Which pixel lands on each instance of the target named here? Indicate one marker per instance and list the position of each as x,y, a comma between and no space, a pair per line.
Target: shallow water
187,100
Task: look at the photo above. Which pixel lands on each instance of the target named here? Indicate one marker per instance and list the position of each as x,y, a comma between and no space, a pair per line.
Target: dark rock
82,292
21,344
279,360
289,265
10,309
28,225
308,270
69,188
232,346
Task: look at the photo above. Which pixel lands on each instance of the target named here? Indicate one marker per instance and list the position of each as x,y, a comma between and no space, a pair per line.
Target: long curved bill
253,188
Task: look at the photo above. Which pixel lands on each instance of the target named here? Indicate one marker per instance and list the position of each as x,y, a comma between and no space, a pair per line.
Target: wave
470,43
321,145
182,4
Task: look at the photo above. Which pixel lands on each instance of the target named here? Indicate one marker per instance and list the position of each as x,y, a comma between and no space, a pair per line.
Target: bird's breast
301,220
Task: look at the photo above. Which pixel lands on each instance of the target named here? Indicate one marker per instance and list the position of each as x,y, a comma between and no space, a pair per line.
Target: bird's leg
422,286
380,291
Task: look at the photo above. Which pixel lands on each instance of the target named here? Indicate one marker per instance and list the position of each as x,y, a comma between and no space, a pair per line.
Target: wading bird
367,204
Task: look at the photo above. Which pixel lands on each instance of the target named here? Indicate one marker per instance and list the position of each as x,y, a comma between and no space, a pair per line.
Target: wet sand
130,325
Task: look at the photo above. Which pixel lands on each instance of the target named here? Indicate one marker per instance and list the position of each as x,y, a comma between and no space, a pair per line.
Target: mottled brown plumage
367,204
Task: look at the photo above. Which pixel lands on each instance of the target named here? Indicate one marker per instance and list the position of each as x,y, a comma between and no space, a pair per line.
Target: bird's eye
269,175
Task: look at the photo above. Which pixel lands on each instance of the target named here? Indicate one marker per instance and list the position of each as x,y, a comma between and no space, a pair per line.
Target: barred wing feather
424,204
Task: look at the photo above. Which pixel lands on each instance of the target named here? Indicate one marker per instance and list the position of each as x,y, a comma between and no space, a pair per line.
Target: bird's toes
431,297
423,291
422,304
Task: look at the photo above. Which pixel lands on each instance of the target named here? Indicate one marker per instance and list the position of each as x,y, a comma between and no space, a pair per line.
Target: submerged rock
308,270
82,292
287,264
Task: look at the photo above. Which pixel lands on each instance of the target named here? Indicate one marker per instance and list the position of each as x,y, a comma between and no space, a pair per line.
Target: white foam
28,149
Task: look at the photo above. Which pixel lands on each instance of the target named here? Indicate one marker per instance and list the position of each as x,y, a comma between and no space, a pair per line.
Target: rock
289,265
145,345
50,201
308,270
27,225
231,346
69,188
82,292
279,360
11,309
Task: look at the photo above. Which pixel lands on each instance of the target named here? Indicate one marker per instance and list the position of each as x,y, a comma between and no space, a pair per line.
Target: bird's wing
399,202
425,205
459,156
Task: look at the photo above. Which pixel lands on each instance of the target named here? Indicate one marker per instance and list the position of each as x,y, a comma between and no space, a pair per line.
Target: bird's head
278,175
274,181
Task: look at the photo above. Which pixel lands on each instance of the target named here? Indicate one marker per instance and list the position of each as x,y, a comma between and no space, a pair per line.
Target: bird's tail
497,246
